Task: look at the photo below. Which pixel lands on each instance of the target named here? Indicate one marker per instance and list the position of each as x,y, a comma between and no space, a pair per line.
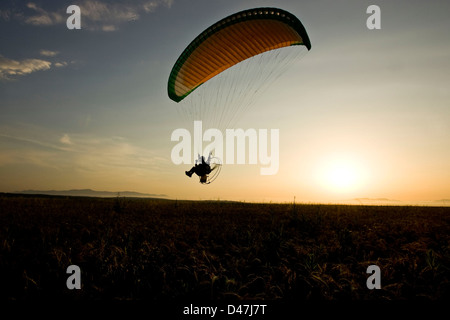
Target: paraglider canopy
231,40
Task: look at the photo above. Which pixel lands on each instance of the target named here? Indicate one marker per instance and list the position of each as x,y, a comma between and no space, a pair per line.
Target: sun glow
341,175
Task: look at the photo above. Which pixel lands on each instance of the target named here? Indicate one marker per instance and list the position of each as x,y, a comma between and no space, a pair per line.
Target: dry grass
160,250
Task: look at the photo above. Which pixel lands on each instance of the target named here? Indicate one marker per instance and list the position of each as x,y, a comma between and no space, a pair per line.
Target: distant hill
442,201
376,199
92,193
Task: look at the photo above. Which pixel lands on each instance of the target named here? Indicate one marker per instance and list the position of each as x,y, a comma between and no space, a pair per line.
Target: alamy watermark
74,21
373,21
241,147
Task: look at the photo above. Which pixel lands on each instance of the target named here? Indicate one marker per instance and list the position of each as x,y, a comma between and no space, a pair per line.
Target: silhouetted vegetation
161,249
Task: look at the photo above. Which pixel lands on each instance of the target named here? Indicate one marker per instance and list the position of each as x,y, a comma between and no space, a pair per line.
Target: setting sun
341,174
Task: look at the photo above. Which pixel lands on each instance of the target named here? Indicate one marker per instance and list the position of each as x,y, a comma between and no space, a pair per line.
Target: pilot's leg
190,172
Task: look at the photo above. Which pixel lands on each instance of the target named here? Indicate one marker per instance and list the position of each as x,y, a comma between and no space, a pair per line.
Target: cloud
43,17
151,6
11,68
108,16
48,53
97,15
109,28
97,11
65,139
5,15
84,153
61,64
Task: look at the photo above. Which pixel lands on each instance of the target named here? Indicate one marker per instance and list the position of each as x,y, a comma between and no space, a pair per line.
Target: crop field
160,250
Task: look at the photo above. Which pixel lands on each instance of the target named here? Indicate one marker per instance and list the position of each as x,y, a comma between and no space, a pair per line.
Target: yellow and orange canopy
230,41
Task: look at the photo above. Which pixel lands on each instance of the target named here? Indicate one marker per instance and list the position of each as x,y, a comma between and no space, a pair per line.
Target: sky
363,117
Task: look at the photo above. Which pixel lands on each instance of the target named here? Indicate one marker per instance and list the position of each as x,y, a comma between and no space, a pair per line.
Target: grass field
161,250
